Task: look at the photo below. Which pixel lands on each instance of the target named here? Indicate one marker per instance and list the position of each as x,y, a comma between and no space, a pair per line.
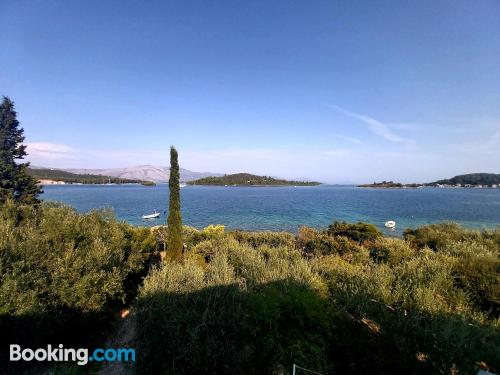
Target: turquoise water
287,208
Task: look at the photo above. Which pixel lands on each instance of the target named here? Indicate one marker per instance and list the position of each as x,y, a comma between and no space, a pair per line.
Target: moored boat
390,224
151,216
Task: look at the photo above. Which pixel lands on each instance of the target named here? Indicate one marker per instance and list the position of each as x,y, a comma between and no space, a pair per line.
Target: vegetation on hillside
487,179
73,178
64,276
341,300
246,179
15,182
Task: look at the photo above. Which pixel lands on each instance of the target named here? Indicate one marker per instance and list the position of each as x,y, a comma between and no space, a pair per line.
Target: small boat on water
151,216
182,184
390,224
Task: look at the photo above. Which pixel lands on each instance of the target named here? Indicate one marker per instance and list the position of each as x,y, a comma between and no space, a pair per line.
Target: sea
288,208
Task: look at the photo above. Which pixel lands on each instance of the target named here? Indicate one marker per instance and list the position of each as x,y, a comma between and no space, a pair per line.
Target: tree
15,183
174,240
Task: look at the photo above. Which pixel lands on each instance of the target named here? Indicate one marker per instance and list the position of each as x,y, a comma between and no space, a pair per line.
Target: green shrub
477,266
256,239
55,257
480,277
436,236
190,235
477,271
318,243
63,274
391,250
406,308
214,231
358,232
251,302
249,310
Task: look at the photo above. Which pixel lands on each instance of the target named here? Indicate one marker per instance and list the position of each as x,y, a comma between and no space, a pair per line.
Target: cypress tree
174,240
15,183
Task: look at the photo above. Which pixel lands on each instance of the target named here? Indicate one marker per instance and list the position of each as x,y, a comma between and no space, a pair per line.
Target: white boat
390,224
182,184
151,216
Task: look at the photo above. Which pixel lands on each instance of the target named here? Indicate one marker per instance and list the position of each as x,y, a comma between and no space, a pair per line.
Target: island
390,185
60,177
247,179
471,180
476,180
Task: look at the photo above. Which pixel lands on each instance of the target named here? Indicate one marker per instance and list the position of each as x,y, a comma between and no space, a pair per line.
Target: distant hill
246,179
72,178
470,179
145,172
389,185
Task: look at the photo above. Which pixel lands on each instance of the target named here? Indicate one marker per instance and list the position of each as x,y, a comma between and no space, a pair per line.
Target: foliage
15,182
341,300
213,231
391,250
358,232
174,222
249,310
477,270
317,243
411,310
436,236
256,239
63,275
246,179
246,302
51,257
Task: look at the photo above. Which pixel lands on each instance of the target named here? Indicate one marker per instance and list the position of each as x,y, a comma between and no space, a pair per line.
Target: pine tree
15,183
174,240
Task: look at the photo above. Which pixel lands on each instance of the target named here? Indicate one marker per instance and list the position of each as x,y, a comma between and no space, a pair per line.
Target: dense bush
391,250
316,243
341,300
477,254
386,305
408,317
250,310
64,274
53,257
359,232
436,236
190,235
257,239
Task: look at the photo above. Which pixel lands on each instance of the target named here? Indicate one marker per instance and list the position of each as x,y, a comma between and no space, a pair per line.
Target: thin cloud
377,127
60,155
49,151
350,139
408,126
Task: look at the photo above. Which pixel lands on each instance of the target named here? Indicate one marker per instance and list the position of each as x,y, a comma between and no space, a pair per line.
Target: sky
336,91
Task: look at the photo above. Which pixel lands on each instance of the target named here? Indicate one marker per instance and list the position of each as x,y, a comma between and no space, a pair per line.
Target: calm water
286,208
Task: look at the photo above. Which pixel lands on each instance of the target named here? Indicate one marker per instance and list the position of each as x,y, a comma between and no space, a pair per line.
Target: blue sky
338,91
